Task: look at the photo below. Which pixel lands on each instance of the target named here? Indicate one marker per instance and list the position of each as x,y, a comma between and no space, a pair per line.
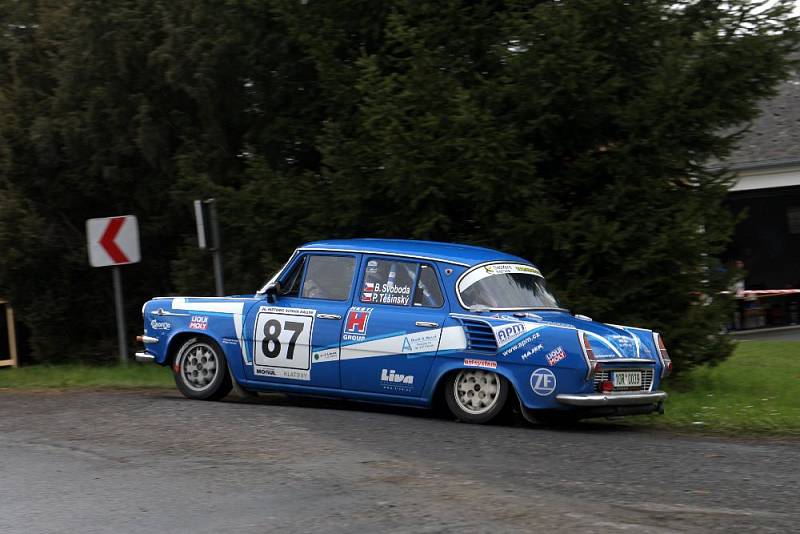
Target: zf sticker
282,342
543,382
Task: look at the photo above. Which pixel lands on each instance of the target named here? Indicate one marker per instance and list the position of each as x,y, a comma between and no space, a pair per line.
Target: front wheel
476,396
201,371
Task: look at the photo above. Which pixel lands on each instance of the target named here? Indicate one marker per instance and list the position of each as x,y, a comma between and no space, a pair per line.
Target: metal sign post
200,216
216,250
122,347
114,241
205,214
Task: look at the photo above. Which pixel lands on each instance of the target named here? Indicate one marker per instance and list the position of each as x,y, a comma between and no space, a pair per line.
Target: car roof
466,255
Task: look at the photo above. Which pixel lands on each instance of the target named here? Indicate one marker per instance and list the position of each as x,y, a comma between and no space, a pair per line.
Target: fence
10,334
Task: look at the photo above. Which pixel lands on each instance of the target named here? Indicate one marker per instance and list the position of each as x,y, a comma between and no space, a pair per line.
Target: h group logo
355,324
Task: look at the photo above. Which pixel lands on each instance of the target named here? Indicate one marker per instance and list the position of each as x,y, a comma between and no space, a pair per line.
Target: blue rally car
409,322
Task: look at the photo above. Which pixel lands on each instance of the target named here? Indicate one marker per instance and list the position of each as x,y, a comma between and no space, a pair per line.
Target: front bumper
612,399
144,357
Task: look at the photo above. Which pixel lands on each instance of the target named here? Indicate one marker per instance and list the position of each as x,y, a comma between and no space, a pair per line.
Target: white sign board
113,240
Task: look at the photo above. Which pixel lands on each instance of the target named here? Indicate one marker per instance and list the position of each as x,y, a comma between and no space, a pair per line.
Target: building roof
466,255
774,137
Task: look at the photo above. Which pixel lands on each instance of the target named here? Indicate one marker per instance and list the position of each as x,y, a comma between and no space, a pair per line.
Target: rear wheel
475,395
201,371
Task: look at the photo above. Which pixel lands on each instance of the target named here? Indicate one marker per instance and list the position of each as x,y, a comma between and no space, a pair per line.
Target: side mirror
272,291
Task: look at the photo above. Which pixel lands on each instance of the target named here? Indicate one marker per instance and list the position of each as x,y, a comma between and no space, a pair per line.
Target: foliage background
576,133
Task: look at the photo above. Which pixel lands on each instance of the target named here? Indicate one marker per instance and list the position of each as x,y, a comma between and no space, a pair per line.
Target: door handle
328,316
427,324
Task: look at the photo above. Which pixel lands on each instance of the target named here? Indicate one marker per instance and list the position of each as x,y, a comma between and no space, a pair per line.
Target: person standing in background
737,288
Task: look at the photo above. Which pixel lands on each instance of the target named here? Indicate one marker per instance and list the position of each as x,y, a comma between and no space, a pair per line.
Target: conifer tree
576,133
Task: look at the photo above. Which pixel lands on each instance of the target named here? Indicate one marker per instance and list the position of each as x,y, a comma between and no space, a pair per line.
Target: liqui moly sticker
555,356
198,322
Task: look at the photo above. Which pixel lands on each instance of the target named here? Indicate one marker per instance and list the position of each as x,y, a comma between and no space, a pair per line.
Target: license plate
627,378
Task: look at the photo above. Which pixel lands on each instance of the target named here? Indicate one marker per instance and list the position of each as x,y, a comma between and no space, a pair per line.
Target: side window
388,282
291,282
428,293
329,277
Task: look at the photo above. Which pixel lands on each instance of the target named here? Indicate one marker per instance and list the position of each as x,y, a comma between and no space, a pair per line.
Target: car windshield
504,286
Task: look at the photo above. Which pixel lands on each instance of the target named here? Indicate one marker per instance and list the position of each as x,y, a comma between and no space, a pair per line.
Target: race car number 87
282,340
272,329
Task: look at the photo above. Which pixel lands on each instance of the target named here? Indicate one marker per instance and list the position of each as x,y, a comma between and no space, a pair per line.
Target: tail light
666,362
588,353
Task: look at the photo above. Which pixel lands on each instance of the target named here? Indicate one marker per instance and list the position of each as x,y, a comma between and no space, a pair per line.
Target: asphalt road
150,461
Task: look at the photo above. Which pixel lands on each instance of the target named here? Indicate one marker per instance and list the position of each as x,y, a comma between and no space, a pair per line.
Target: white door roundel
282,338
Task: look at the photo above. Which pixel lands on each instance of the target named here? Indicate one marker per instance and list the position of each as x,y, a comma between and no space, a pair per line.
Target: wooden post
12,337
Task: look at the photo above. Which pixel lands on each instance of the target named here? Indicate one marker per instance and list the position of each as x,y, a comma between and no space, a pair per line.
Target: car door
295,339
391,334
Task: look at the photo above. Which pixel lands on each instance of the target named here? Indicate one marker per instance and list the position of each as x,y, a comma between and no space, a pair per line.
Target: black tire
201,371
476,395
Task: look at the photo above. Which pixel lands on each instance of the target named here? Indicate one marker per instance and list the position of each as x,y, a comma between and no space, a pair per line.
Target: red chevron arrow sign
113,240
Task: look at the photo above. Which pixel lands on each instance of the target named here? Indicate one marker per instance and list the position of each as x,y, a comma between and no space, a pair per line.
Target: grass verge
132,375
755,392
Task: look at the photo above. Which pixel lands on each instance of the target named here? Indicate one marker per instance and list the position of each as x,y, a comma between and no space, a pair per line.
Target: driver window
329,277
291,283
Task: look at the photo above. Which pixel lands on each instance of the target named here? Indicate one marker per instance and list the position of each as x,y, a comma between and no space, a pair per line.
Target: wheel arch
180,338
439,383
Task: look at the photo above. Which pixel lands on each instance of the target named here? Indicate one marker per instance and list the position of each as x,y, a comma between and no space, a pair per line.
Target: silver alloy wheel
477,391
199,366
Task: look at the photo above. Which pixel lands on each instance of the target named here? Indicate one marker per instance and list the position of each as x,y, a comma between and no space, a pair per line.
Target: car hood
607,341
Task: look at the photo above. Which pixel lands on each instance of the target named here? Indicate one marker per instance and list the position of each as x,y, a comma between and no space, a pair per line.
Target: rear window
389,282
401,283
428,293
502,286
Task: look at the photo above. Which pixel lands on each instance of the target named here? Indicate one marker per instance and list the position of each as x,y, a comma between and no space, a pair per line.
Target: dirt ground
151,461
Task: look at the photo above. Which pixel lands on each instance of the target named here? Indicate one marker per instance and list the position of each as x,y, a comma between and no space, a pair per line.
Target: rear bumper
612,399
144,357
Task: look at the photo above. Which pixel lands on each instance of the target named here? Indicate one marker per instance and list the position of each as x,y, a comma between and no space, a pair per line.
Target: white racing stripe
453,338
605,342
234,307
508,333
428,341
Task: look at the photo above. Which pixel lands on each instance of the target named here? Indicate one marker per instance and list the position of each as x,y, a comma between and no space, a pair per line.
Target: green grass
133,375
755,391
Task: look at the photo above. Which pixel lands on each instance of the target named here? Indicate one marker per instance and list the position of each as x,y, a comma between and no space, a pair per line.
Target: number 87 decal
272,331
283,340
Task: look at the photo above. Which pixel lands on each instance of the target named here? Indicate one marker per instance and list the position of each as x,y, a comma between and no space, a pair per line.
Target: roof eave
757,165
